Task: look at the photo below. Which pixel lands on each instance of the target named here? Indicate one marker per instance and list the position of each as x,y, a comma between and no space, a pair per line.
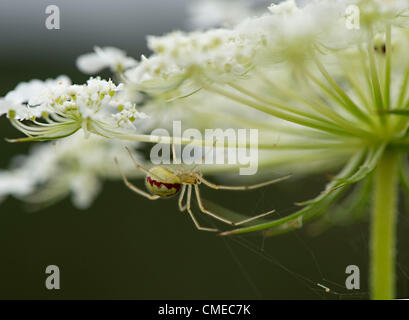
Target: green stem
383,228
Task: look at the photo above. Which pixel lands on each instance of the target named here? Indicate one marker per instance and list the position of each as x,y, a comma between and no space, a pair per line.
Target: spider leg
204,210
189,196
204,156
180,201
137,165
245,187
132,187
174,155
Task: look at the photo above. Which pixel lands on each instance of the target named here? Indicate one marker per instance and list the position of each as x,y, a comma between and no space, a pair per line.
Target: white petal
90,63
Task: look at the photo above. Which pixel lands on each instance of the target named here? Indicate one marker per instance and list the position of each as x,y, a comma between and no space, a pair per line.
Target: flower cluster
290,72
58,109
300,74
108,57
216,55
71,165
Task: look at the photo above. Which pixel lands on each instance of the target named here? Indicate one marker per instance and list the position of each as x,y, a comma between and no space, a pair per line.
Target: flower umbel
320,85
321,94
73,165
58,109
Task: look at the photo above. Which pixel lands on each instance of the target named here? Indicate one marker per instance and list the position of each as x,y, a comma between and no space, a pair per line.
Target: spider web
321,286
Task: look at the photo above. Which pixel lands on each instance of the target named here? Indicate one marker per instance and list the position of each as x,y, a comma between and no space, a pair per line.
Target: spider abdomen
162,189
162,182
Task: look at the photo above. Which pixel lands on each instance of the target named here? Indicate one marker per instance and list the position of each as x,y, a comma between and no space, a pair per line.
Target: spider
164,182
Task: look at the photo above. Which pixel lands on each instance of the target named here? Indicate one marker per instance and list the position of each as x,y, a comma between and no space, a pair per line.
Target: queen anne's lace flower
58,109
376,13
107,57
204,14
288,34
213,13
285,7
14,104
216,55
299,65
72,165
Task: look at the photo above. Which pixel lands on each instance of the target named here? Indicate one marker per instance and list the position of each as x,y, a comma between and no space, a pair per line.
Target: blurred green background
127,247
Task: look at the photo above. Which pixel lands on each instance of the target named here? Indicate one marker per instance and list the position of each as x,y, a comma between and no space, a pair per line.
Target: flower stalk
383,228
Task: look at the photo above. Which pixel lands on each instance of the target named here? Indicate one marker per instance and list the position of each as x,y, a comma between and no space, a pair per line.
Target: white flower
285,33
128,114
84,188
156,74
60,109
213,13
217,55
106,57
14,110
14,183
285,7
72,165
314,88
26,90
14,104
377,13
